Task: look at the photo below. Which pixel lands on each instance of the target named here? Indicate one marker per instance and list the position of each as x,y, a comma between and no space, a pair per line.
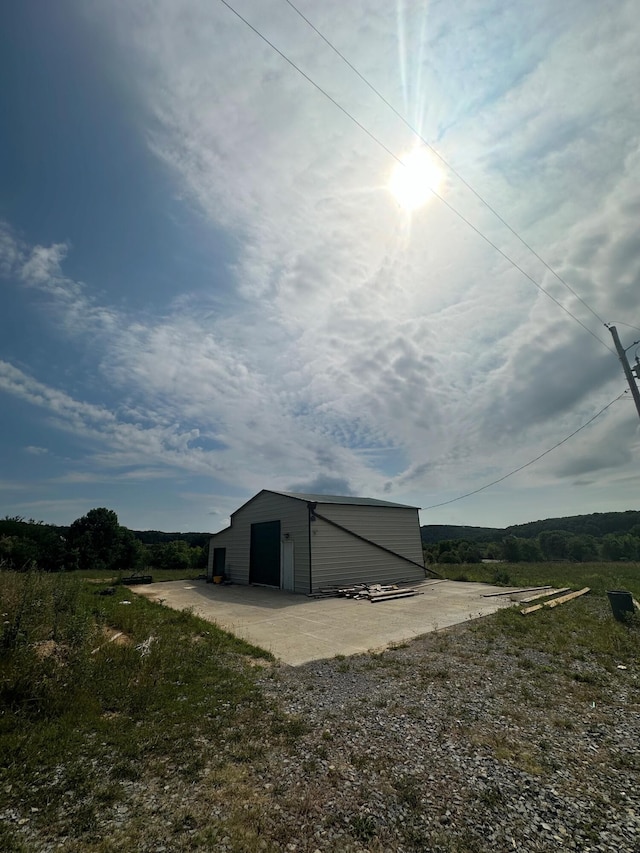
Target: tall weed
91,682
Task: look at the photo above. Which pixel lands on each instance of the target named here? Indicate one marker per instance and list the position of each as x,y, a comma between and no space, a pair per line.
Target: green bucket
621,603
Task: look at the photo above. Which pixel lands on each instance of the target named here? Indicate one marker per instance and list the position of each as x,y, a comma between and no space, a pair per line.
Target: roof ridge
345,500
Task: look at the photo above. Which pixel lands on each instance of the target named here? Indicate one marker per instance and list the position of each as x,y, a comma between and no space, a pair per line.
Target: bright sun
413,180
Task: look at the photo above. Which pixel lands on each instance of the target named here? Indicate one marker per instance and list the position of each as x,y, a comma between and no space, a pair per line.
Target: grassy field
157,575
109,700
97,691
599,576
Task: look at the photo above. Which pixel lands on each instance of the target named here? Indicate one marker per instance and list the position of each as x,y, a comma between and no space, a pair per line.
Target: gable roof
346,500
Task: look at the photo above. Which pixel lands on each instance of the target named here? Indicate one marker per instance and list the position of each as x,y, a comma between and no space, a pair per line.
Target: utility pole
622,355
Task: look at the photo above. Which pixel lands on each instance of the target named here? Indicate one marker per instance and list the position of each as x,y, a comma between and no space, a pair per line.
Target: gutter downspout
311,507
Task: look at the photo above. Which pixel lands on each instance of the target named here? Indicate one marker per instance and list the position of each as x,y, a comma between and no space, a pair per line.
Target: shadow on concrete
298,629
238,594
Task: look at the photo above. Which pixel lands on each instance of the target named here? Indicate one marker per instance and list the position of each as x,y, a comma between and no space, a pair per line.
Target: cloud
128,442
139,474
10,254
35,451
323,485
15,486
605,450
39,269
43,264
370,351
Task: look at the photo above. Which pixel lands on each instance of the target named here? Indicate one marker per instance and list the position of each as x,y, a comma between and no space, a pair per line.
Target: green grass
157,574
81,714
85,721
583,629
599,576
580,629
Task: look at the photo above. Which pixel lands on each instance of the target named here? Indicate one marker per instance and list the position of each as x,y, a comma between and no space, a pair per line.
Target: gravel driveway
476,739
459,742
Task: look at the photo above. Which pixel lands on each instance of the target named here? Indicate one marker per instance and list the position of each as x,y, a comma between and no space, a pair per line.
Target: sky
209,287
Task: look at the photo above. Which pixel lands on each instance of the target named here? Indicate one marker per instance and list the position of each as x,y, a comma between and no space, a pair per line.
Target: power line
454,171
526,464
310,80
519,268
379,142
375,139
620,323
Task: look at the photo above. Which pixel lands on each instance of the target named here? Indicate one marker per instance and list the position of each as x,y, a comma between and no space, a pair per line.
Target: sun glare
414,180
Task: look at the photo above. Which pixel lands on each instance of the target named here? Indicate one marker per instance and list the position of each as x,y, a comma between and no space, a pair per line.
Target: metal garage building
304,542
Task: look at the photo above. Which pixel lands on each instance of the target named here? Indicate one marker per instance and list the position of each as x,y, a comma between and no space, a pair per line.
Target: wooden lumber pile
546,594
392,594
514,591
555,602
371,592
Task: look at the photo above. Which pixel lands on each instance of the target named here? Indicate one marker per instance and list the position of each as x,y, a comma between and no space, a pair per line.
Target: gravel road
459,743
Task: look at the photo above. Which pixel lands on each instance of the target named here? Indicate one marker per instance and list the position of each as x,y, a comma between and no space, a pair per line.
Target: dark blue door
264,559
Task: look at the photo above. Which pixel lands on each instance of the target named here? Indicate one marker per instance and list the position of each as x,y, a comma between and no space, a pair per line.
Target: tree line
96,541
600,536
548,546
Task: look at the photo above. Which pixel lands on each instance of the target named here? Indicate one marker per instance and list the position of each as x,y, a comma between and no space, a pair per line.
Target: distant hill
158,537
596,524
432,533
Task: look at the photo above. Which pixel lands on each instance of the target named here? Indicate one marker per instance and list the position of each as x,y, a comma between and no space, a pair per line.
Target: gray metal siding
292,515
219,540
339,559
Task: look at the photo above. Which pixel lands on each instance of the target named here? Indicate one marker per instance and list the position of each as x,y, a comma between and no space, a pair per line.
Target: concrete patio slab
297,629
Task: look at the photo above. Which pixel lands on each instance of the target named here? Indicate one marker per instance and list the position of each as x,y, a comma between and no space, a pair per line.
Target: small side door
288,581
219,560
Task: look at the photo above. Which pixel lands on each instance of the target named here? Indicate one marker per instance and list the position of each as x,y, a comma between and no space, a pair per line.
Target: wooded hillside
600,535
